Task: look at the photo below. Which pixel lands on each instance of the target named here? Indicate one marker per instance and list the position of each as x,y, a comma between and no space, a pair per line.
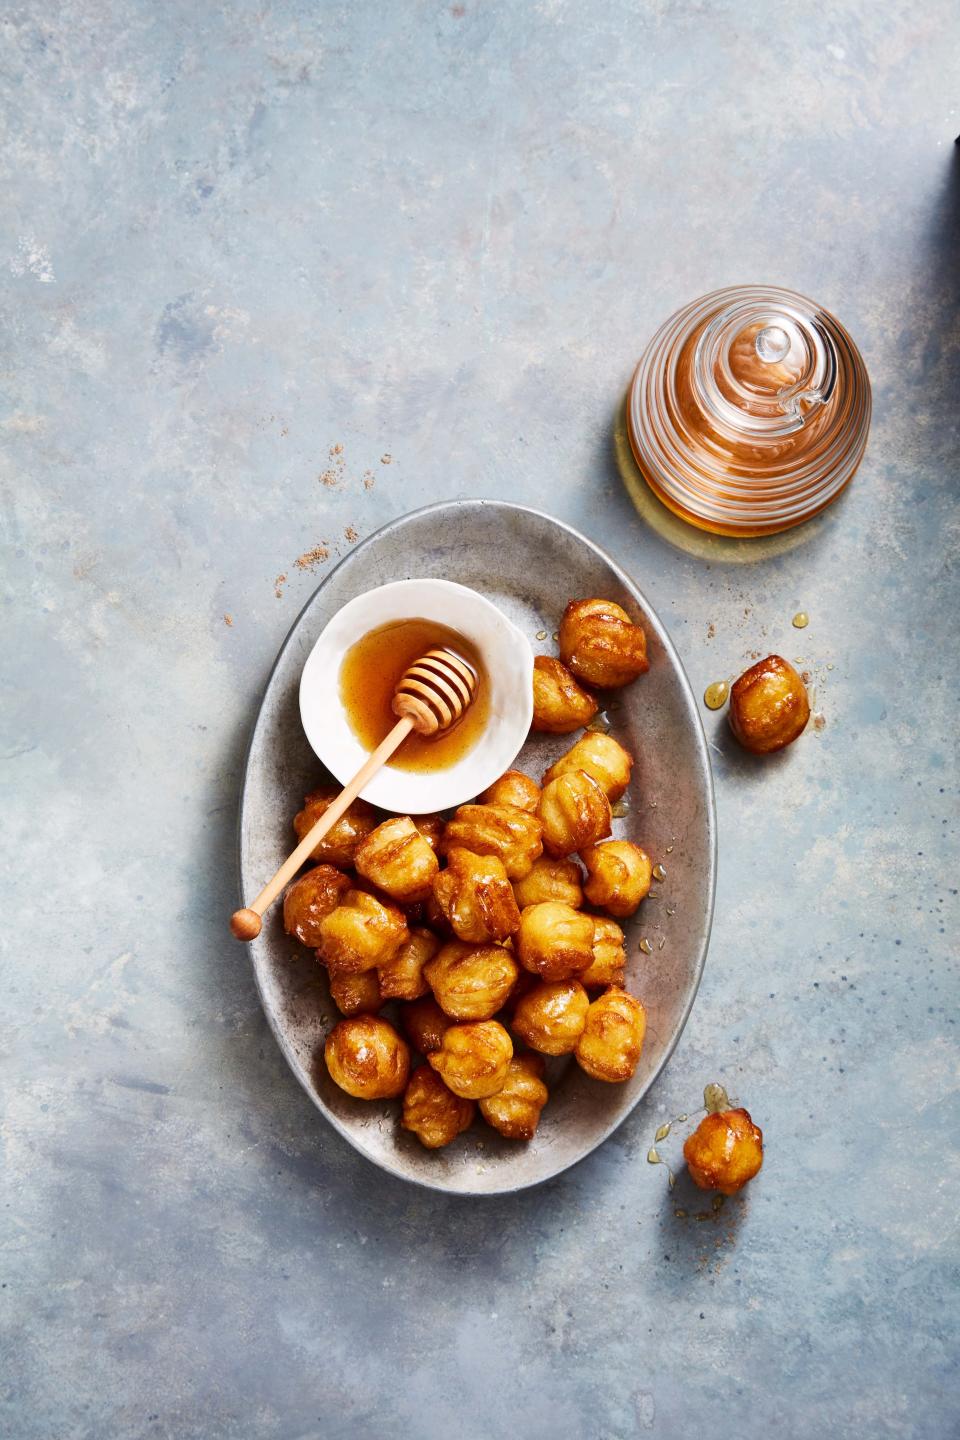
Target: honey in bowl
370,672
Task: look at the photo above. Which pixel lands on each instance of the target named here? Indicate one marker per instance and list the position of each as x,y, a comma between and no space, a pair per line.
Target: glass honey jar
749,411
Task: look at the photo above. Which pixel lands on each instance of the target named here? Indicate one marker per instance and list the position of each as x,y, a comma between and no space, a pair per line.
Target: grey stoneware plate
530,565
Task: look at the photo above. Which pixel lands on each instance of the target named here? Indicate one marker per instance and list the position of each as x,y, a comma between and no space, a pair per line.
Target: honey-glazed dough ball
366,1057
551,879
551,1017
511,834
402,978
515,1109
397,858
473,1058
434,1114
434,916
600,756
363,932
601,645
339,845
471,982
513,788
769,706
609,955
618,875
612,1040
355,994
554,941
574,813
424,1023
310,899
559,704
431,827
475,897
724,1152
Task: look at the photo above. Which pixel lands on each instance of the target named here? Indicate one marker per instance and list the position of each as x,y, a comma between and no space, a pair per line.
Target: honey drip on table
801,620
715,695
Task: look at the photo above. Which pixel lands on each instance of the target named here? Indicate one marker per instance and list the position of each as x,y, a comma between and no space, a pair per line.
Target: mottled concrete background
236,236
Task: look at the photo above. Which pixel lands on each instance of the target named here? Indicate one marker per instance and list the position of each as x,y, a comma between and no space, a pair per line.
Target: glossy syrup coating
424,1024
355,994
363,932
397,858
513,788
473,1058
471,982
551,1017
367,1058
601,645
600,756
608,966
339,845
402,978
310,899
554,941
618,876
574,813
475,897
769,706
431,827
609,1048
513,835
551,879
559,704
724,1152
516,1108
432,1112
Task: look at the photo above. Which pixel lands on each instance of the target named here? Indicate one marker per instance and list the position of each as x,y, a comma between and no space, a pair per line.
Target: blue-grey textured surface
234,238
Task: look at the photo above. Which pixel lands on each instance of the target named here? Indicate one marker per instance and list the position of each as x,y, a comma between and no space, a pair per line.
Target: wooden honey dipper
432,695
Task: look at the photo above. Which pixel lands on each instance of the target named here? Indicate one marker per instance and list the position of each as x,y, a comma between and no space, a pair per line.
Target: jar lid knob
772,344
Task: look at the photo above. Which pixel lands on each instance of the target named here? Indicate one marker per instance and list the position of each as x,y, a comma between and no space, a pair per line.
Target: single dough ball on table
601,645
366,1057
515,1109
609,955
424,1023
574,813
551,1017
310,899
355,994
402,977
618,875
559,704
431,827
475,897
724,1152
612,1040
513,788
769,706
554,941
397,858
551,879
473,1058
471,982
339,845
512,835
362,933
601,757
434,1114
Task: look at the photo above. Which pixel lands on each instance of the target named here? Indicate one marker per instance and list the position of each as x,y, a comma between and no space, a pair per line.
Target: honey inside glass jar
370,672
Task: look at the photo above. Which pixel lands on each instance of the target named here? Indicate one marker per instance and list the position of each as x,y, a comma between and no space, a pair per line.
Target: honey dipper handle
245,923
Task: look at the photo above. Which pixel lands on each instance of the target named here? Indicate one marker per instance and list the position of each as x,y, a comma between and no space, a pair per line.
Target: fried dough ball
356,994
769,706
435,916
366,1057
475,897
513,835
339,845
618,875
473,1058
609,955
397,858
402,977
554,941
551,880
559,705
601,645
574,813
309,899
425,1023
515,1110
364,931
434,1114
471,982
609,1048
513,788
601,757
431,827
724,1152
551,1017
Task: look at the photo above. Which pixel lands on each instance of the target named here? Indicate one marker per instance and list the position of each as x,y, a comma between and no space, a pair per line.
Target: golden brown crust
511,834
473,1058
601,645
513,788
769,706
551,1017
609,1048
402,978
554,941
432,1112
431,827
601,757
559,704
355,994
364,931
475,897
424,1023
471,982
724,1152
551,879
516,1108
367,1058
310,899
339,845
618,876
609,955
396,858
574,813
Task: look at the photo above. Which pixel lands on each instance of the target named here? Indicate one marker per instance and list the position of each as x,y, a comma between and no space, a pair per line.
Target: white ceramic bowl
506,654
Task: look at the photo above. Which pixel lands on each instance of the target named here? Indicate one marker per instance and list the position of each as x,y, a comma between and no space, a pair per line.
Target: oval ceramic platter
530,565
